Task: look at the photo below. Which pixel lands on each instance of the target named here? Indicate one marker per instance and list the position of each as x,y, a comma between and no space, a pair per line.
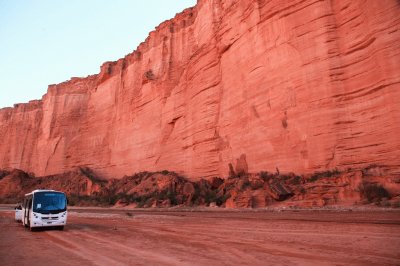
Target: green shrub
3,173
296,180
172,198
265,176
319,175
374,192
222,199
210,196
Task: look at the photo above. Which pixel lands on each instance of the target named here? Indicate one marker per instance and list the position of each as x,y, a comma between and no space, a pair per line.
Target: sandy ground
132,237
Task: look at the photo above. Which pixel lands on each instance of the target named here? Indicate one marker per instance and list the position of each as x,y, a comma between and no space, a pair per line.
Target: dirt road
131,237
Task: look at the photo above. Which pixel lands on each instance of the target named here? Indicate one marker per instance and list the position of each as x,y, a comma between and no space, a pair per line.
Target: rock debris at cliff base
167,189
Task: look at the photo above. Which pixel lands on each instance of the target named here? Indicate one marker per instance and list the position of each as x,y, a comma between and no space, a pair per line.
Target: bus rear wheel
61,228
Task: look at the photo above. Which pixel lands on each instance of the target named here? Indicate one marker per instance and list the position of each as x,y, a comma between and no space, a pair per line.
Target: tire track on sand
77,246
103,251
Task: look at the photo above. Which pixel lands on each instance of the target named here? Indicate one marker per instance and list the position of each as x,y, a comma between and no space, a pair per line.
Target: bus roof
41,190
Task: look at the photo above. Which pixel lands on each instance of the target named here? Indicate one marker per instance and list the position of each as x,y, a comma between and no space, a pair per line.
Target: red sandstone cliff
301,86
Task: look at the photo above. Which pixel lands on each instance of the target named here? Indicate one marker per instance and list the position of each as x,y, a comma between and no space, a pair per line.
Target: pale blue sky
45,42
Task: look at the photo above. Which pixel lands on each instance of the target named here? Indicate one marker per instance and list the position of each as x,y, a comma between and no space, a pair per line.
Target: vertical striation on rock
290,86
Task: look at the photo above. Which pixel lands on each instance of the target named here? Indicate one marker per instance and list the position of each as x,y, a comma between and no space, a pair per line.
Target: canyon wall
299,86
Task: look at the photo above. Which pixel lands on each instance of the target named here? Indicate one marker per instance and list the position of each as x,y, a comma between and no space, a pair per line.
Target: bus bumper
42,220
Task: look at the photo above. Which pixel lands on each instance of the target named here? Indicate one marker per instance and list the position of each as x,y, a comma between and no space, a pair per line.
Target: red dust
206,237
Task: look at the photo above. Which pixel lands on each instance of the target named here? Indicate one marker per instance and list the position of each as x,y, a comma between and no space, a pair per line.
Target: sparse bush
3,173
89,174
210,196
374,192
256,184
162,195
167,172
222,199
149,75
296,180
265,176
196,195
319,175
396,204
244,183
172,198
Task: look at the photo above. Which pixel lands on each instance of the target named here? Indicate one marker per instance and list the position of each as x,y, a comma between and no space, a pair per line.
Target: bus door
27,208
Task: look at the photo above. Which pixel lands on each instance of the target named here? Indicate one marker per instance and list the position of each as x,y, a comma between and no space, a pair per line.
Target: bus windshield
49,202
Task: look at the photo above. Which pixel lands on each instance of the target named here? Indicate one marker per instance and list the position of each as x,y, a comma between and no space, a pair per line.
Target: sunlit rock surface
289,86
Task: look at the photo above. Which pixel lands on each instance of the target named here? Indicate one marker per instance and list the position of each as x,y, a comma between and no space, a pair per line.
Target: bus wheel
33,229
61,228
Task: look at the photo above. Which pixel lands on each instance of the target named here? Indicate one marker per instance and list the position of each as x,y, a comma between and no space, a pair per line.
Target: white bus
44,208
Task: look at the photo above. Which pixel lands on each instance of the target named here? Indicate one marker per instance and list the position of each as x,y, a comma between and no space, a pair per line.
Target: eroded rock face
168,189
290,86
14,184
